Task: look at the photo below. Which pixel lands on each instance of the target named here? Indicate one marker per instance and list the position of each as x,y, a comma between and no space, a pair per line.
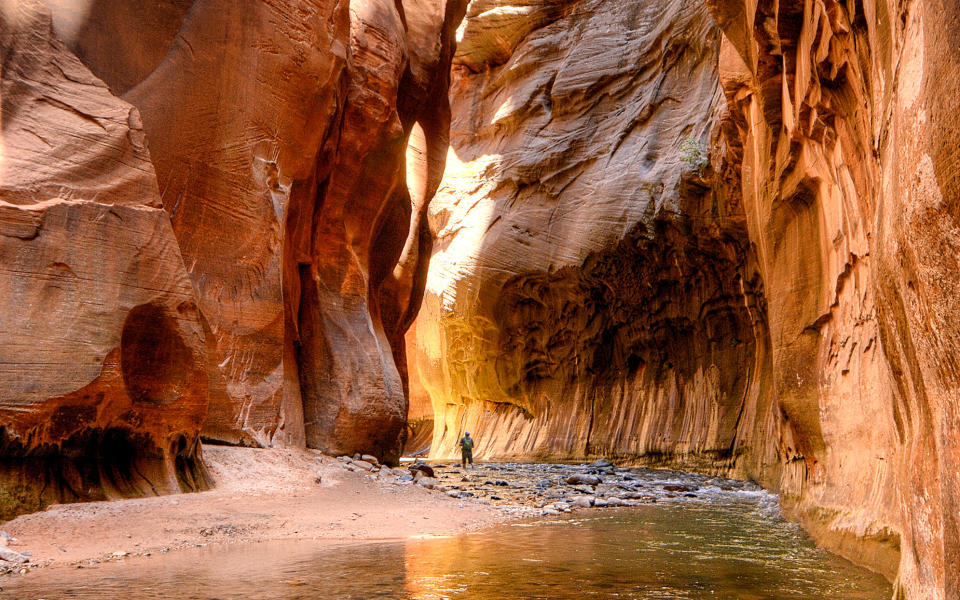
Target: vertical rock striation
294,147
591,290
781,310
280,137
849,152
103,353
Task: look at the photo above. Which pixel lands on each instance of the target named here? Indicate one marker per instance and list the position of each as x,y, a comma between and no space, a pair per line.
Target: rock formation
280,132
759,284
294,146
712,234
103,353
583,251
842,121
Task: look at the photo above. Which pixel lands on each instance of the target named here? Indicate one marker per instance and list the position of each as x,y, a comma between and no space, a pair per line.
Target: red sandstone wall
585,275
103,380
294,146
848,151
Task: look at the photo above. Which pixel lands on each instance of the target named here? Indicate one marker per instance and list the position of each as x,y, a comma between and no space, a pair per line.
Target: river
721,544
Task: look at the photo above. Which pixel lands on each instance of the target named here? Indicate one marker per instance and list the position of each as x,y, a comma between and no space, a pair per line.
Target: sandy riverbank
258,495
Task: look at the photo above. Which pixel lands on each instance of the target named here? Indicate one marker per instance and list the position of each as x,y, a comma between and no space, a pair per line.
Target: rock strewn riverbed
275,494
550,489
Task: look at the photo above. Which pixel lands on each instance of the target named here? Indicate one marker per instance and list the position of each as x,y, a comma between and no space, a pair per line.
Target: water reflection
694,550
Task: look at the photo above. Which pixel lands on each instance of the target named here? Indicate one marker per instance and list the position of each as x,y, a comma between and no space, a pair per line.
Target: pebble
370,459
422,468
427,482
582,502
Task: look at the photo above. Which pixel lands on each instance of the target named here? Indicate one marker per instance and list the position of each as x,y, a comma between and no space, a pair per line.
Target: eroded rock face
849,155
782,313
103,353
296,145
590,289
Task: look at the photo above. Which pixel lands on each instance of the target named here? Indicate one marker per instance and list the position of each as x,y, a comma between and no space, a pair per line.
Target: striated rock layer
294,147
103,353
591,290
842,119
776,307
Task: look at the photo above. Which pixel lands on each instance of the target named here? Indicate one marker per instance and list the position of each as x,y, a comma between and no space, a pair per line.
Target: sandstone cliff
844,129
294,147
102,360
591,290
628,264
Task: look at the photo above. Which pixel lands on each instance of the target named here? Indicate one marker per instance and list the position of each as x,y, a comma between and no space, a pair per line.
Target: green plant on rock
694,154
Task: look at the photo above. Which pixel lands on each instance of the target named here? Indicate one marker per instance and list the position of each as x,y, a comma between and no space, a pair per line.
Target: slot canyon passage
714,236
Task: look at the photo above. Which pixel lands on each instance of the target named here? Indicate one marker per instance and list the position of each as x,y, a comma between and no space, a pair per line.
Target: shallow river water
719,545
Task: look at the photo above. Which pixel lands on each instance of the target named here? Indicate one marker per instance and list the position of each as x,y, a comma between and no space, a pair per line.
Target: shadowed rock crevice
94,464
154,359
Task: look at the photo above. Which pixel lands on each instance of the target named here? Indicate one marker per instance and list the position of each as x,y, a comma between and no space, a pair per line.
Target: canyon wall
842,121
583,251
213,217
715,236
103,353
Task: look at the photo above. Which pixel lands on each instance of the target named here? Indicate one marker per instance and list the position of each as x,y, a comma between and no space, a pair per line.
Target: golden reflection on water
657,552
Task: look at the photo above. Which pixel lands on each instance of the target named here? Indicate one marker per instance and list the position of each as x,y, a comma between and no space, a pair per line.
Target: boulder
584,479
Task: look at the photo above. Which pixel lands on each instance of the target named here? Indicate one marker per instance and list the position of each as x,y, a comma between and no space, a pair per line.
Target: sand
259,495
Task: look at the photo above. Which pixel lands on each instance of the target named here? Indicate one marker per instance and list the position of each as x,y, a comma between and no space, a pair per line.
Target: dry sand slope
259,495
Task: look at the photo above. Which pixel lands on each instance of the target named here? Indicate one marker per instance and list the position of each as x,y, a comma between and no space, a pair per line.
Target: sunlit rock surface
589,291
782,310
844,122
103,382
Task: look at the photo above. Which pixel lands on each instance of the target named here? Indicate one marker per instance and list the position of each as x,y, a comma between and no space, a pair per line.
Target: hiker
466,450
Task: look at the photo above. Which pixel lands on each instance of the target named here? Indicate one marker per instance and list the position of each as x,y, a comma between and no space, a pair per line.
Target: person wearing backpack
466,450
